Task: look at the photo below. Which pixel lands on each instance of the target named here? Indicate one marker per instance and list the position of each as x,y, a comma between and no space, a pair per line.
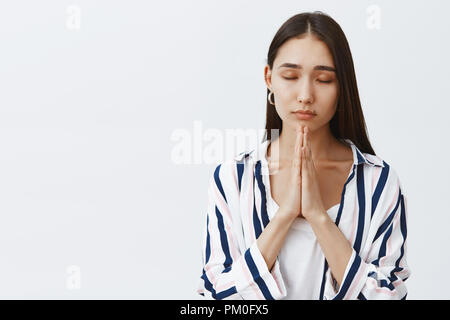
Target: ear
268,77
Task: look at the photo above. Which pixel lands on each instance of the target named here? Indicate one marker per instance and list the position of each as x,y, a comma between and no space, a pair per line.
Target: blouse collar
259,154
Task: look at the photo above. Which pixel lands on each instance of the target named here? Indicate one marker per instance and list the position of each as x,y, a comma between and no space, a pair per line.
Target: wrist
285,216
318,218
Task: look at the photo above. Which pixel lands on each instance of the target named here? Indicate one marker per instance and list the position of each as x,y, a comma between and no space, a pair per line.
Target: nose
305,92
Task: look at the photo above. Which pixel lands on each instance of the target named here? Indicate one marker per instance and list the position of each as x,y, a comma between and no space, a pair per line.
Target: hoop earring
268,98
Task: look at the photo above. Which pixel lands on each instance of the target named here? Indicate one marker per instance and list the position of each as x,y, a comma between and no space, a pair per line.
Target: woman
313,214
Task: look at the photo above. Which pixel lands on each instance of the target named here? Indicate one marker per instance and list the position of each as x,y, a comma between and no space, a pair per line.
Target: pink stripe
391,206
376,177
230,283
212,257
212,244
352,237
394,202
388,253
258,202
354,282
235,178
225,286
214,250
382,290
404,270
221,202
222,206
389,244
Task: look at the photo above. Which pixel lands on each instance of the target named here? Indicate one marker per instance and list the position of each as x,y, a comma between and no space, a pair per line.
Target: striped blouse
372,215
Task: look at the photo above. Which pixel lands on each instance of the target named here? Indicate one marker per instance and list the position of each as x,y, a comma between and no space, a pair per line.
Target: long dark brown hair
348,121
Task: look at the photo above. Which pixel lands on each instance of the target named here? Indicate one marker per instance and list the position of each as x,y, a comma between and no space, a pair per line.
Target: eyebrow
297,66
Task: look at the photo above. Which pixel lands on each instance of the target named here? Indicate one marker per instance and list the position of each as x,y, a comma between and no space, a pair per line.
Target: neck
321,141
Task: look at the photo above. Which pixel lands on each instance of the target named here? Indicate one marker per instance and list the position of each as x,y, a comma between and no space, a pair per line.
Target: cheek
326,101
327,95
282,88
283,97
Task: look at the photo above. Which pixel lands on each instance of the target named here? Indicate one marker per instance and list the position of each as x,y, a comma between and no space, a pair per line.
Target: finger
308,146
304,159
300,153
306,143
305,154
297,156
308,149
305,131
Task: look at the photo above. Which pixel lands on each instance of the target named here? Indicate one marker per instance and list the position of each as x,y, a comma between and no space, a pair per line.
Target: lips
305,112
304,115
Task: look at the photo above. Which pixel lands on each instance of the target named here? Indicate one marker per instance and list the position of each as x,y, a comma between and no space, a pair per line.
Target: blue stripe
208,240
379,189
403,230
223,239
385,284
240,171
361,296
256,277
219,296
228,260
322,286
362,207
218,183
389,219
382,251
359,156
338,217
262,190
256,222
397,268
348,280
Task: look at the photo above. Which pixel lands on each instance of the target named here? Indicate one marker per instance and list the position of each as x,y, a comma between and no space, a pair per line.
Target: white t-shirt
300,256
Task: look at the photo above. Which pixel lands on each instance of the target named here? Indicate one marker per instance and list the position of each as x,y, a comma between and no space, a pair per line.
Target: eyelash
317,80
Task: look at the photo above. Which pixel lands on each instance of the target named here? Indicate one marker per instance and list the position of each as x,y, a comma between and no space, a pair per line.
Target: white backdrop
93,204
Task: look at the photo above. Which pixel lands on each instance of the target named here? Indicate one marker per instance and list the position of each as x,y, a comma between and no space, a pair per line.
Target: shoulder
380,178
386,189
384,168
229,174
374,159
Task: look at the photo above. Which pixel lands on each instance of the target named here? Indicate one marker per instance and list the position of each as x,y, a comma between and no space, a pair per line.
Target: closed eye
321,81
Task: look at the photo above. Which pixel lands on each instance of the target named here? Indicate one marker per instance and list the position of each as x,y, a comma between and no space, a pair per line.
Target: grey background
86,119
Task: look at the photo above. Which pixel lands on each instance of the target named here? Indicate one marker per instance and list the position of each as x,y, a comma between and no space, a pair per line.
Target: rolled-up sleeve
382,274
228,273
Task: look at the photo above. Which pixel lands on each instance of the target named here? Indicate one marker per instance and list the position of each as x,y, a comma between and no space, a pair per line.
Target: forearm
335,246
271,239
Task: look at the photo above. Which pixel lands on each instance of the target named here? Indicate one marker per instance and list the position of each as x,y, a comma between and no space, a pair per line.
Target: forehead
308,52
